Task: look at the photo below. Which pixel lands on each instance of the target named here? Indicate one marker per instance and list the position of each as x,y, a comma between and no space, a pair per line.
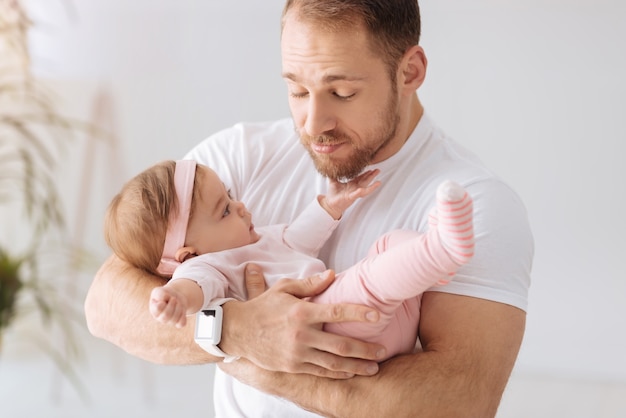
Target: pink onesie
399,267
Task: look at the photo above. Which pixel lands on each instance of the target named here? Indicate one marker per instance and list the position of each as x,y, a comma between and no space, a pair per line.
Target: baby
178,218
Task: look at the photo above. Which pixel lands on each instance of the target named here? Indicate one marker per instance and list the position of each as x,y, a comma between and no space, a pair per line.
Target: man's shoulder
263,129
246,137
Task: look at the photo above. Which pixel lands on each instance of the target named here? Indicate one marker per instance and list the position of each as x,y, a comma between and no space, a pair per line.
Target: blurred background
535,88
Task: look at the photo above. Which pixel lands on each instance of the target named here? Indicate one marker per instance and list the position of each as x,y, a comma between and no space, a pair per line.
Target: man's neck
408,121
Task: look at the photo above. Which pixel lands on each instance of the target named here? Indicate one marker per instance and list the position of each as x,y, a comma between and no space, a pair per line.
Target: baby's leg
411,266
407,268
453,218
431,258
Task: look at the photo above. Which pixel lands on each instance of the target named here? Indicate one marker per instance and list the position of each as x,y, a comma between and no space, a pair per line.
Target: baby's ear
185,253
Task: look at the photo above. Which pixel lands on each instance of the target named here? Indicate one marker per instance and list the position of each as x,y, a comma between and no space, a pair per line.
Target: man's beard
361,155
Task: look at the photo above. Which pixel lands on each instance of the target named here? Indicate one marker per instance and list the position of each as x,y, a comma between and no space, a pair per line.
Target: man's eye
342,97
298,95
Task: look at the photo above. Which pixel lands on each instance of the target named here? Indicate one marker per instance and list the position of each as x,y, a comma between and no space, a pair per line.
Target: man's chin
335,168
337,171
323,169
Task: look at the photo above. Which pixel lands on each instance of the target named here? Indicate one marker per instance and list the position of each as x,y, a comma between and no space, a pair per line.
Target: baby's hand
168,306
341,195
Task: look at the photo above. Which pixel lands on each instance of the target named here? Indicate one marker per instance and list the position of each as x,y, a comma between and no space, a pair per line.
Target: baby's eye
226,211
229,195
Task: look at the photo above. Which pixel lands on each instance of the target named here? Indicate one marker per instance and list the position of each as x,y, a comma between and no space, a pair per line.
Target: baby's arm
170,304
310,230
341,195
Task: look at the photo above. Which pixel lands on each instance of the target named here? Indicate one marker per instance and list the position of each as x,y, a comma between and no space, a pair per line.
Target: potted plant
33,135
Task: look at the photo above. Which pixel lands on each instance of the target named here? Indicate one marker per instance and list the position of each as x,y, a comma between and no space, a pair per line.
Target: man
352,68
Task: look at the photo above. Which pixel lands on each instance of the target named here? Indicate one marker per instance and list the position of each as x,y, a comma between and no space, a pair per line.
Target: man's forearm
116,309
406,386
356,397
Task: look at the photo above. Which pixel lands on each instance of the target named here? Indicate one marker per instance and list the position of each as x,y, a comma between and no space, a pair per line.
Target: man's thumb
255,281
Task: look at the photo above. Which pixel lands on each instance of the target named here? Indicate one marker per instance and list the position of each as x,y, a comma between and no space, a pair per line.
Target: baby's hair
136,220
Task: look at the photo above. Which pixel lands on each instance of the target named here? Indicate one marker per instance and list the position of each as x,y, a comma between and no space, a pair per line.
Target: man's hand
279,331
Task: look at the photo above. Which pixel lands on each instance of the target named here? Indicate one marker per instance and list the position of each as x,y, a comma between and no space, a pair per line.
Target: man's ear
413,69
185,253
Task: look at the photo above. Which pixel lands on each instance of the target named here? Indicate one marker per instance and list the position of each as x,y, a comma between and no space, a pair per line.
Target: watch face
205,327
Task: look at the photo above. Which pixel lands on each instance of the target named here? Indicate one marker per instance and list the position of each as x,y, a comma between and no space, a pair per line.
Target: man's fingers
255,281
315,370
347,347
338,367
310,286
345,312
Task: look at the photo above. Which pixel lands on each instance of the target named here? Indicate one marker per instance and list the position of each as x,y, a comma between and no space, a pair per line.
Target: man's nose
319,118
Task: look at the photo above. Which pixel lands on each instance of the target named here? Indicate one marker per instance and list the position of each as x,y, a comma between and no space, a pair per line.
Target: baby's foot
454,221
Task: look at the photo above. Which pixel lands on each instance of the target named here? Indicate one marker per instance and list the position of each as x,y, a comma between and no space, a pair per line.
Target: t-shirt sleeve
501,267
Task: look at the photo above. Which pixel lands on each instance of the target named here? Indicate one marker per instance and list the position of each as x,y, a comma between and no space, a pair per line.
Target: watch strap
208,339
214,350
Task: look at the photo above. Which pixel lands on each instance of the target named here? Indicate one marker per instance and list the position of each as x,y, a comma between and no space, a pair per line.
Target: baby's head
136,222
153,224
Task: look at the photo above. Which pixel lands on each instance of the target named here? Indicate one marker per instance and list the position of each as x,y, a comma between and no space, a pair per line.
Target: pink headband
184,175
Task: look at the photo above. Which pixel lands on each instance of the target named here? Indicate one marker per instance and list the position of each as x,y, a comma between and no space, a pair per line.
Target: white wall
536,88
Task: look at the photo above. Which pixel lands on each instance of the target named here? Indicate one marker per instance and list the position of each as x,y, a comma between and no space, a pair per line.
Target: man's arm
116,309
470,346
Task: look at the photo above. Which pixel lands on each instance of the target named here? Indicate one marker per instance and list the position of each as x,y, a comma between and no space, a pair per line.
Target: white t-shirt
266,167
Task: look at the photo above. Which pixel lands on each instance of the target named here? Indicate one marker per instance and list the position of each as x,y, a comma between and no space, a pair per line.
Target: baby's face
217,221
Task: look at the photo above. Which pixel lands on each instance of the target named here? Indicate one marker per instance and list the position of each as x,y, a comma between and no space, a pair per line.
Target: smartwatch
209,332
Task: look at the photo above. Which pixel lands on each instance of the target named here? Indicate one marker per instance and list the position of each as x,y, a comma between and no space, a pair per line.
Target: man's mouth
325,148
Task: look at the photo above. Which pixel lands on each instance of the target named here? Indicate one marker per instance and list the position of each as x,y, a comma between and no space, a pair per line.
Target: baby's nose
241,209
